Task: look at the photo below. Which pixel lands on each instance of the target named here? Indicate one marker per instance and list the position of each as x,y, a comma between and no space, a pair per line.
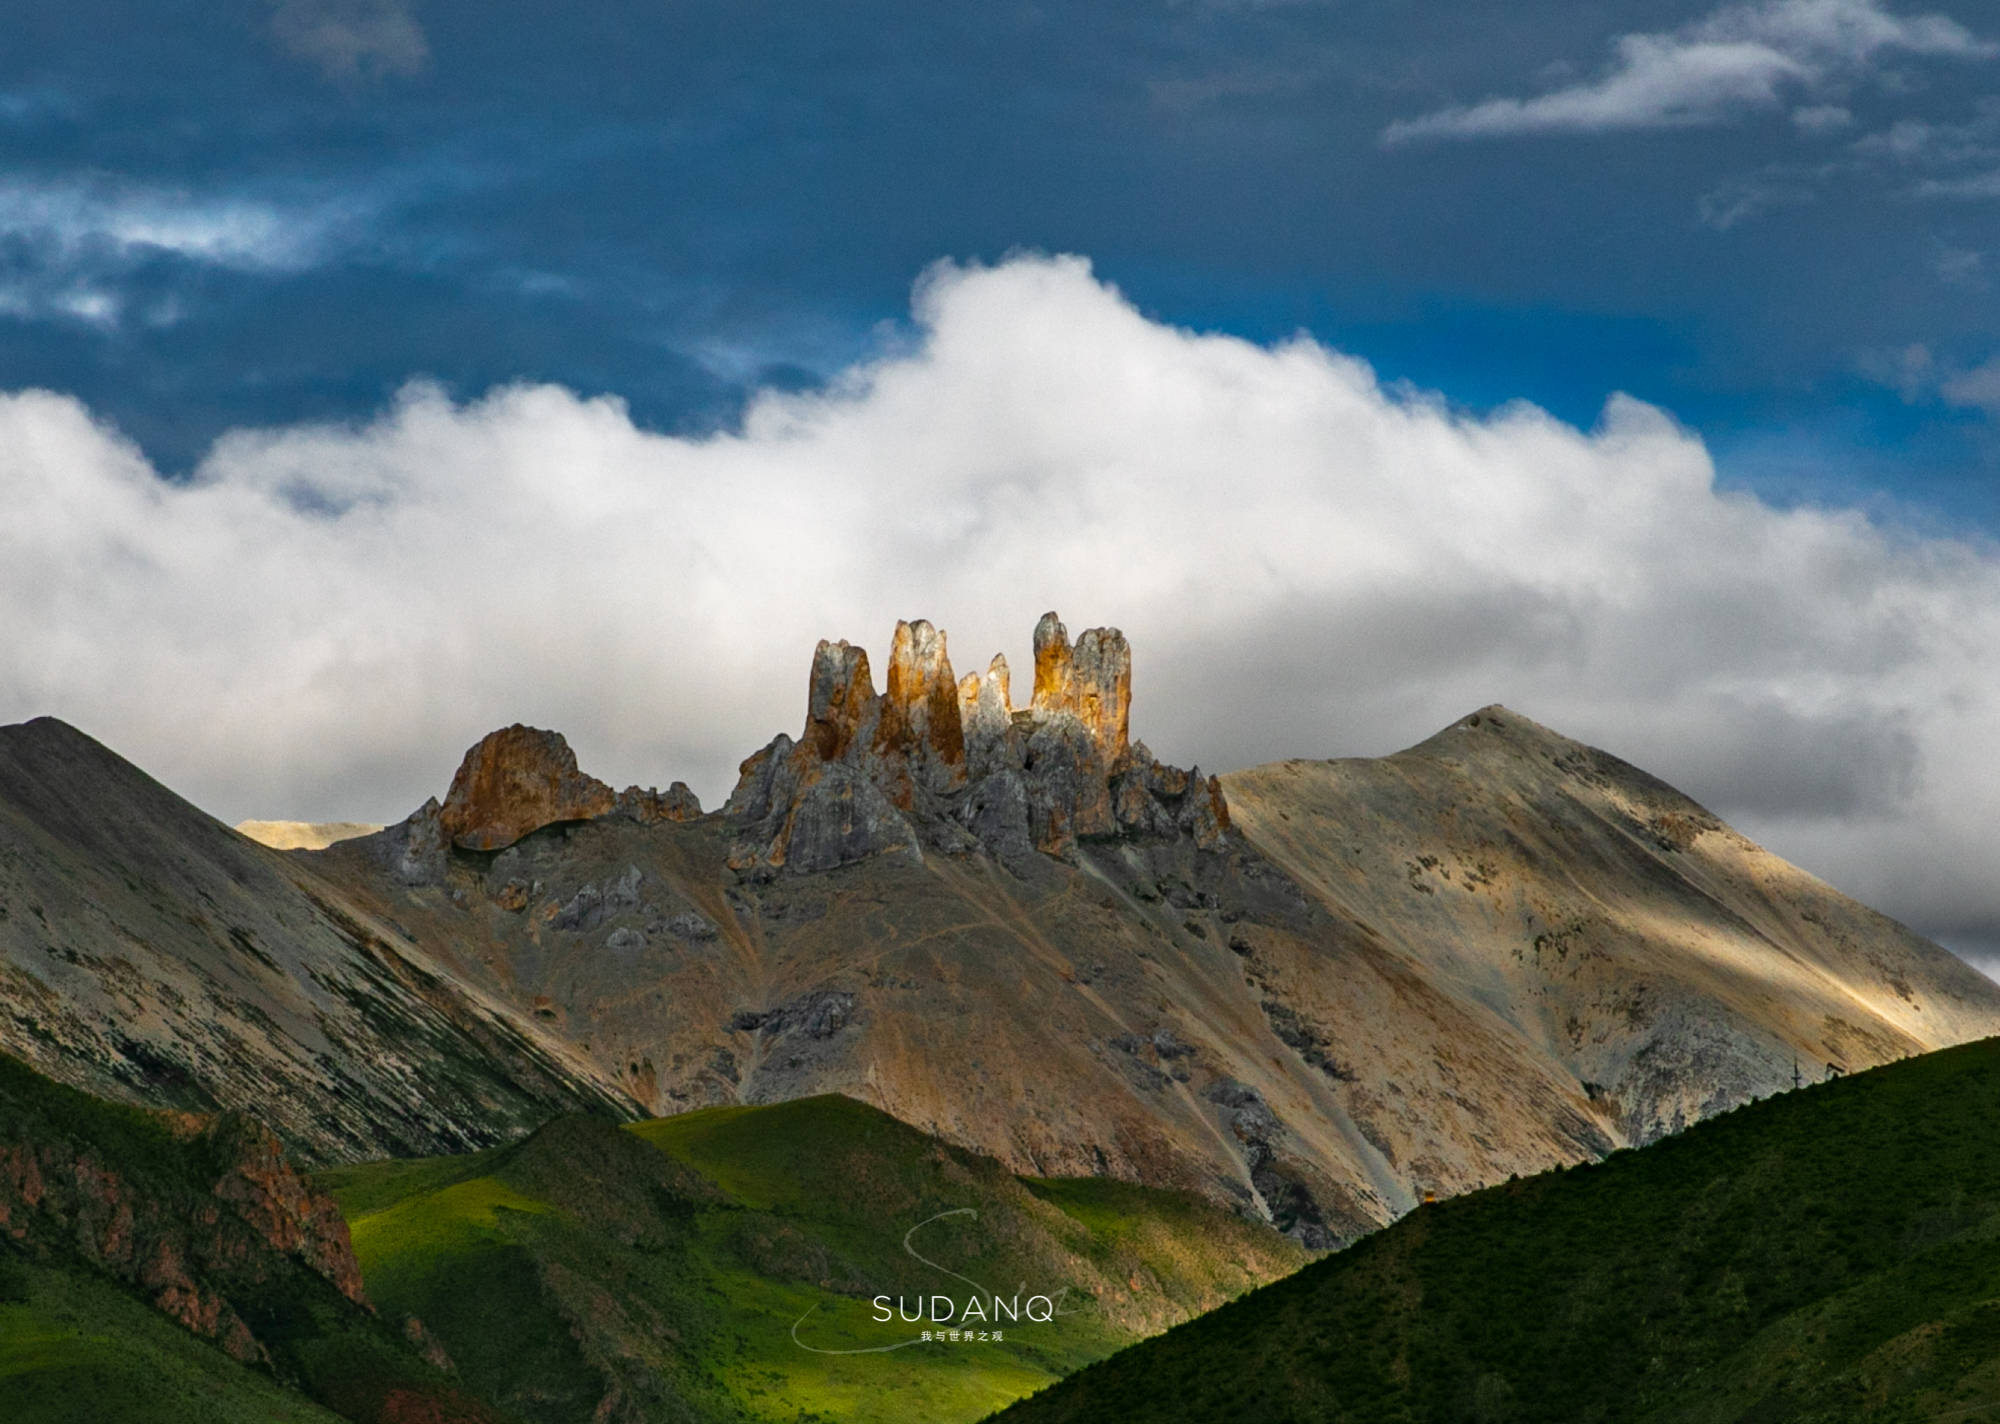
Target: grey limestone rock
418,847
843,818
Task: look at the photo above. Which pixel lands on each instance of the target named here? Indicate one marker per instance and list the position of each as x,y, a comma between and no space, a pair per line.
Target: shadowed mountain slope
149,953
1829,1254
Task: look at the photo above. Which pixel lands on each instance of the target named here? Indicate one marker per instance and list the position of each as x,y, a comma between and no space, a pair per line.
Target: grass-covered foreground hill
720,1265
1828,1254
160,1268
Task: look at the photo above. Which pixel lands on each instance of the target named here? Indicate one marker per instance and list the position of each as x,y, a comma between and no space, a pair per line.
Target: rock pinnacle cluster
946,763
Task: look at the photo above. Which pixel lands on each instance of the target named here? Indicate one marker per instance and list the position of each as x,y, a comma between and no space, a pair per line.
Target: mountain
303,835
1625,937
1825,1255
164,1267
1315,992
723,1265
150,954
1319,991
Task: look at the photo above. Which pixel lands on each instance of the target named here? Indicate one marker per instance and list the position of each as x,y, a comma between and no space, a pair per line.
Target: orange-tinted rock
1055,685
920,718
280,1204
839,700
1101,672
195,1246
515,781
955,767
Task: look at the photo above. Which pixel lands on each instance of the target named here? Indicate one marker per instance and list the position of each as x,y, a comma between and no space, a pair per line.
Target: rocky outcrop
649,807
949,764
1091,682
520,779
230,1214
517,780
919,734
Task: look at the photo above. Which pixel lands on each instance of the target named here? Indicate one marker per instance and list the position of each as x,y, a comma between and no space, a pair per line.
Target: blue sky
257,213
374,373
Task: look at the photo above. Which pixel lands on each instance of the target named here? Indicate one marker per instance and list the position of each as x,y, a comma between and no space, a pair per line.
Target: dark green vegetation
1829,1254
74,1346
157,1268
661,1268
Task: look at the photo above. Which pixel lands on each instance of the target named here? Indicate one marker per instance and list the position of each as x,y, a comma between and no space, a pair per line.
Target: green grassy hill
699,1267
1828,1254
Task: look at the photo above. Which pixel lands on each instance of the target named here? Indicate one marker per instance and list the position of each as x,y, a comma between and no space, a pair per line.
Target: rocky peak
519,779
920,717
514,781
1055,681
1103,681
841,697
986,710
1091,681
949,764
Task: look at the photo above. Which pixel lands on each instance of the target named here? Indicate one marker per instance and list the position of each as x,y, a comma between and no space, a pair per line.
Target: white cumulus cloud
1742,57
1307,563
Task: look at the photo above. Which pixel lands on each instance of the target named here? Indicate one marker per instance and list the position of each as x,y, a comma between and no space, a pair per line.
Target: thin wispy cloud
1741,59
1978,388
1936,160
70,243
1752,195
78,216
352,39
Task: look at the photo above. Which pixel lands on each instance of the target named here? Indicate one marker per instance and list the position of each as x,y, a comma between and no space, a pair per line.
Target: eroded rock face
949,764
840,700
517,780
920,724
986,711
648,806
191,1253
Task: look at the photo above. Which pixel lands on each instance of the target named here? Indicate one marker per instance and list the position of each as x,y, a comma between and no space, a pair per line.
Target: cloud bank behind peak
1308,564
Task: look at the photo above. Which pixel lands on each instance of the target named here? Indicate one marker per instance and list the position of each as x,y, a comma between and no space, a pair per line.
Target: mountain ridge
152,955
1317,991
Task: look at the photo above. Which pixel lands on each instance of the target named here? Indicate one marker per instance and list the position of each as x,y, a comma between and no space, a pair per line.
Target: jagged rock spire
1091,681
949,764
1055,679
842,695
920,719
986,710
1102,664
